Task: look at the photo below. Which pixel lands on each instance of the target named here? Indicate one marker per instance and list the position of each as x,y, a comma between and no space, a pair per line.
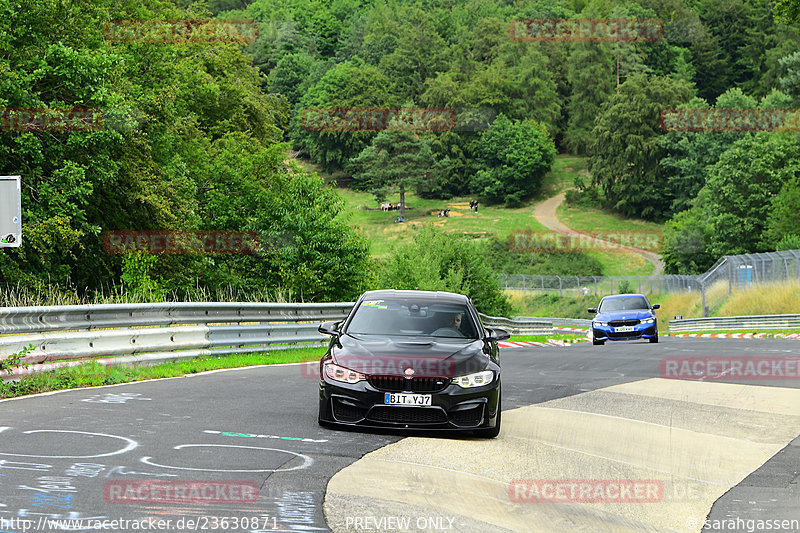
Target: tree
352,84
626,151
419,54
591,77
689,156
514,157
290,74
396,160
790,80
784,215
787,11
687,238
740,188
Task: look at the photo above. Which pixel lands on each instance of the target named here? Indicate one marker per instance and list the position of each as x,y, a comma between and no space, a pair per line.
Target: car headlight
478,379
599,323
648,320
340,373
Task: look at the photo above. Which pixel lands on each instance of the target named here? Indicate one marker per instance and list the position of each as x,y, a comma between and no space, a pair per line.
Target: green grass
545,338
551,305
382,232
562,176
92,374
614,228
770,333
498,221
623,263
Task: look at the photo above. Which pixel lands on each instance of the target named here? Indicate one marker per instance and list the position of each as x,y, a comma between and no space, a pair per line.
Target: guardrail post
560,287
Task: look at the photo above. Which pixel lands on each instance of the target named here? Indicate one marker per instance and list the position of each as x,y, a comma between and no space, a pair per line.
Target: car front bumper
453,408
640,331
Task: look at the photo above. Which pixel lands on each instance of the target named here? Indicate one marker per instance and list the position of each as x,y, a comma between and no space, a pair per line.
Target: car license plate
406,399
623,329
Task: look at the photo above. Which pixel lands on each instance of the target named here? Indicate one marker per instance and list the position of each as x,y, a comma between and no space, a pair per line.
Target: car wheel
491,432
654,339
597,342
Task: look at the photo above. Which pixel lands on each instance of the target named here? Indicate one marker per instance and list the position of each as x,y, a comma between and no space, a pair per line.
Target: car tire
597,342
654,339
491,432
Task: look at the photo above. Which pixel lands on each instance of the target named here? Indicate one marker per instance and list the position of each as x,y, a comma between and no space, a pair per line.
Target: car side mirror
657,306
592,310
330,328
497,334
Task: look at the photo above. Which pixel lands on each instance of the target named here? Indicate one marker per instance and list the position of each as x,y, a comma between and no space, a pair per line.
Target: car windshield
623,304
412,318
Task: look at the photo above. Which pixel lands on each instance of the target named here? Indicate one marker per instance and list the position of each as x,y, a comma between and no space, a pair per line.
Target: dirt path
545,213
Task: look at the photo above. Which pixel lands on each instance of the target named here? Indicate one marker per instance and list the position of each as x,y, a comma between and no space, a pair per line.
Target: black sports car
412,359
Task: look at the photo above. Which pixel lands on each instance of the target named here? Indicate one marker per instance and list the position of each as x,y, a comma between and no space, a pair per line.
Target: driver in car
451,327
455,321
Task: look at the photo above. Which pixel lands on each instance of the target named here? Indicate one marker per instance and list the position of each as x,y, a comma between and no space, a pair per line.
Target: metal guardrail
736,323
584,323
153,333
519,325
124,334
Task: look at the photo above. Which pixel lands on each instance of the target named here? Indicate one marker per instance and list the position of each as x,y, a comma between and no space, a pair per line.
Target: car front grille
408,415
345,412
467,417
629,334
618,323
419,385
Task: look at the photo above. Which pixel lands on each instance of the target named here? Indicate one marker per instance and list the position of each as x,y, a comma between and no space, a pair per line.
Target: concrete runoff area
695,439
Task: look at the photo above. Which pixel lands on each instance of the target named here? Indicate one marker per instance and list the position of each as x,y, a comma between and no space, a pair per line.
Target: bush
573,263
437,261
789,242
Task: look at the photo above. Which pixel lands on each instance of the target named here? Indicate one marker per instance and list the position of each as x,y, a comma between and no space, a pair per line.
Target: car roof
623,296
401,294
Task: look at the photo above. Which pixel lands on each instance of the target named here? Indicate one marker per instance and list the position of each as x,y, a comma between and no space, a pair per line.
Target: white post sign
10,212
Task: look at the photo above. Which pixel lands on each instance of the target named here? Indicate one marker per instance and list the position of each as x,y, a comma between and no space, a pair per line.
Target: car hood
641,314
426,356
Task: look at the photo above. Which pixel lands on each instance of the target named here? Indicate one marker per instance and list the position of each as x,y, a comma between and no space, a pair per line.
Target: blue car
624,317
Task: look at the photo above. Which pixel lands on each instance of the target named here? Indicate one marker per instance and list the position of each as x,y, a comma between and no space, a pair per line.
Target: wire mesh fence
729,273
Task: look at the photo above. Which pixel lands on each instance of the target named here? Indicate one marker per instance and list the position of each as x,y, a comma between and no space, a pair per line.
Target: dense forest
201,131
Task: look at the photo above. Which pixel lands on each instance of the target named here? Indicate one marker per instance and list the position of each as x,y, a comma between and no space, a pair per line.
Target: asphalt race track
240,450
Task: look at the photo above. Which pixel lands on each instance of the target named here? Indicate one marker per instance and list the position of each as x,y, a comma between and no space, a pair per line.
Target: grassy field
562,176
546,338
764,299
382,232
93,374
612,227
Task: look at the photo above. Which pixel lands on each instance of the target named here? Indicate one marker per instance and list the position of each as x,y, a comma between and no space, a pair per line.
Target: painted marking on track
13,465
121,471
114,398
130,446
253,436
307,461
